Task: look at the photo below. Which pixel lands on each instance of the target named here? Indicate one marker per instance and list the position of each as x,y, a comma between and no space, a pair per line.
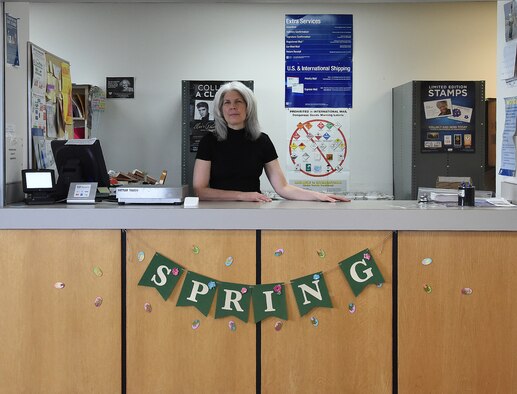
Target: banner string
330,270
382,243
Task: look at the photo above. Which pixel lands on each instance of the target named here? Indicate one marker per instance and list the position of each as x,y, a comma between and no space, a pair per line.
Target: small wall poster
120,87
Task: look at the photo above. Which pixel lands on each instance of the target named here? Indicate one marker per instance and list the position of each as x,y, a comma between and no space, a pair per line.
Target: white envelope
463,114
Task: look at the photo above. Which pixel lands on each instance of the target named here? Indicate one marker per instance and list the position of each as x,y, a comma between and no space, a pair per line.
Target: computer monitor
39,185
79,161
38,181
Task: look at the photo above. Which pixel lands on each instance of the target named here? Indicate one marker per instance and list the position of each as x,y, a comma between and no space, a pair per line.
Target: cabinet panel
164,353
56,340
346,353
450,342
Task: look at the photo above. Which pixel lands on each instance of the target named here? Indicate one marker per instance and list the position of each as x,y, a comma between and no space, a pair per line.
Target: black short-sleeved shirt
237,162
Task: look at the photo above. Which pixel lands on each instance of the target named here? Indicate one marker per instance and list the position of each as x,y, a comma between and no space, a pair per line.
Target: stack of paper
444,197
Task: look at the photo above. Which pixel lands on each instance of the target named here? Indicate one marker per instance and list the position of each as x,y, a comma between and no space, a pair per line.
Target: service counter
276,215
74,318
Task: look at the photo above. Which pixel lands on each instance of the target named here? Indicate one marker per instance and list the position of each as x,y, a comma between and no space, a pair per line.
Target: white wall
503,90
15,112
163,44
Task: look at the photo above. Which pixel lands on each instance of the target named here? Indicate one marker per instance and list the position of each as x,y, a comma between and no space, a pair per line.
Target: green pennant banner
310,292
361,270
197,291
233,299
162,274
269,300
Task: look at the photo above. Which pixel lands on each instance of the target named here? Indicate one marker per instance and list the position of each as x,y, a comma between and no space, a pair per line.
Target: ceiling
312,2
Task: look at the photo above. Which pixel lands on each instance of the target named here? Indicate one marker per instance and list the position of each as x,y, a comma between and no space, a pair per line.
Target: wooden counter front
450,342
345,353
164,353
56,340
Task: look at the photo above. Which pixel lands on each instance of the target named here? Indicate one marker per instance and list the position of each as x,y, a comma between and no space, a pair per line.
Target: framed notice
120,87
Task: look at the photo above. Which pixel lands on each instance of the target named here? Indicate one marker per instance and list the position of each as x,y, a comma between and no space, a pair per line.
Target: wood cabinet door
164,353
55,339
449,341
345,353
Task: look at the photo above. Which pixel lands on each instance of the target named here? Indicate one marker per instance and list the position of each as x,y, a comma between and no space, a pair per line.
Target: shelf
80,98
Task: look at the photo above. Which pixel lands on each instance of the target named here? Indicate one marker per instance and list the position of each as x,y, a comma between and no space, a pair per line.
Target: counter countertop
276,215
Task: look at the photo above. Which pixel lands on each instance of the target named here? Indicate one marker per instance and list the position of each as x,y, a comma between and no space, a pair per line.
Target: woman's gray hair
251,123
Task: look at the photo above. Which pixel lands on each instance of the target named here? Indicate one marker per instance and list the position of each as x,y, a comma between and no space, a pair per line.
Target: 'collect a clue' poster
201,115
447,116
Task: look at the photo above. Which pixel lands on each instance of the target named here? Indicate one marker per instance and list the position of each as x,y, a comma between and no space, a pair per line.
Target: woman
230,161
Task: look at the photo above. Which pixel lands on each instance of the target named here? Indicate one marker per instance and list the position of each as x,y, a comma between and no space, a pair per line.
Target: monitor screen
34,181
79,161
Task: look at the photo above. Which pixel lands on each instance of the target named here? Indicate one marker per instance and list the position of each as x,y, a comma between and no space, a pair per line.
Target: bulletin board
49,104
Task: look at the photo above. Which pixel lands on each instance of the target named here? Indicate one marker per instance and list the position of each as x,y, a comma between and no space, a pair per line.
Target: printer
151,194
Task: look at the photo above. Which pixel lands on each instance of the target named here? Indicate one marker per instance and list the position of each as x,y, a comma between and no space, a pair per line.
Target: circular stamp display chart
318,148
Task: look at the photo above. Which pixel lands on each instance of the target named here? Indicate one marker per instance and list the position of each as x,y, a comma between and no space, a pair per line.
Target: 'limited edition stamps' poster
447,116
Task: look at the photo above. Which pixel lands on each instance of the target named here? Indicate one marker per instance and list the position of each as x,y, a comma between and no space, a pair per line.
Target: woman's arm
202,189
277,179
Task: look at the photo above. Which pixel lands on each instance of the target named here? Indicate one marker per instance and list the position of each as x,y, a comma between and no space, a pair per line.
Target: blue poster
509,137
11,50
318,61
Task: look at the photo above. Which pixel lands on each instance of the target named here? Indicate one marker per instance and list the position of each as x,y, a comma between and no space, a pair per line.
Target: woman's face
442,106
234,110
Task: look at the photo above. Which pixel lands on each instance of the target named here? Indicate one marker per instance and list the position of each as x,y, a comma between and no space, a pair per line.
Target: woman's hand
330,197
277,179
253,196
